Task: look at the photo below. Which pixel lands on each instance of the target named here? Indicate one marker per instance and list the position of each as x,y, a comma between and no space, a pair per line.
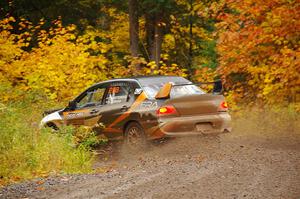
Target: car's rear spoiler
165,91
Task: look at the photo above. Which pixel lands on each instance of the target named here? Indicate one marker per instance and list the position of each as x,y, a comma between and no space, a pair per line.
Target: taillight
223,106
166,110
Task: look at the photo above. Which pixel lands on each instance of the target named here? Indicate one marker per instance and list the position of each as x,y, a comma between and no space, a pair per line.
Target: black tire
135,137
53,127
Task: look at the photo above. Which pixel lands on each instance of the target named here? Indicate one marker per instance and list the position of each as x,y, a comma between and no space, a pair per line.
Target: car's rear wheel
135,137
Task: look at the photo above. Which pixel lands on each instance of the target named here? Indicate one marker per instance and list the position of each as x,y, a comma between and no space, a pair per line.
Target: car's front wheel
52,126
135,137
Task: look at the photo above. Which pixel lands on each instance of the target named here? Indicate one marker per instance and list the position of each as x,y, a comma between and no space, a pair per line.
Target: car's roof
146,79
153,76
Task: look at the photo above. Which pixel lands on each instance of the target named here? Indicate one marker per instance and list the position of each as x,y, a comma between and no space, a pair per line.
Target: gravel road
233,165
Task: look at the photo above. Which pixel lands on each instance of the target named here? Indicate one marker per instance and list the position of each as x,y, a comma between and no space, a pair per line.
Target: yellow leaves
163,69
172,17
8,20
62,65
276,21
267,28
169,41
72,37
268,78
71,28
52,95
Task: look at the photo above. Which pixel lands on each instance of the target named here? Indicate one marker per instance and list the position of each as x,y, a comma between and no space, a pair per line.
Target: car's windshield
151,87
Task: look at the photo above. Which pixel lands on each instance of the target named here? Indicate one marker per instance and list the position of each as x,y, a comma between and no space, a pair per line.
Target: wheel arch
129,122
52,125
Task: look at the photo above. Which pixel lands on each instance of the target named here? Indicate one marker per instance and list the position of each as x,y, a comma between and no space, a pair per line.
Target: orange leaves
258,47
205,74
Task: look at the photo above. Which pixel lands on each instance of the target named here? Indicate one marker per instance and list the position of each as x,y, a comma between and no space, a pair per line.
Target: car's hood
54,116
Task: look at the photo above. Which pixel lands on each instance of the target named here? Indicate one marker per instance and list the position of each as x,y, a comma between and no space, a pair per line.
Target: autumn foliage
259,50
62,63
252,45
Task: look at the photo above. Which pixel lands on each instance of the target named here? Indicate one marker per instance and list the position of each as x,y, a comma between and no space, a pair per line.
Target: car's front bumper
195,125
53,118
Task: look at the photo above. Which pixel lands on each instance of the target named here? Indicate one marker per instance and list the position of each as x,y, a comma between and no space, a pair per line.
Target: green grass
27,152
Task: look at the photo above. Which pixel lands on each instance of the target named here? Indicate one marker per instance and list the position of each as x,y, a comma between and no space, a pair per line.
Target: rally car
143,108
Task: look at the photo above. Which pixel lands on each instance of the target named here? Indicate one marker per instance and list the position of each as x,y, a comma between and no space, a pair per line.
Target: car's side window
92,98
83,101
97,95
117,93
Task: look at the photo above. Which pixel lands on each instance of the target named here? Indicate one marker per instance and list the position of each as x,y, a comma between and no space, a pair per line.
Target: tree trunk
149,26
190,60
154,36
158,38
133,27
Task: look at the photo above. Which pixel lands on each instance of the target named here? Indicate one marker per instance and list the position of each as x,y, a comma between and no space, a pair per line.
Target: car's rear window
152,85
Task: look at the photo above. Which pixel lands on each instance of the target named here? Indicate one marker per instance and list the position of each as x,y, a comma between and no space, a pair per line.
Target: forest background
51,50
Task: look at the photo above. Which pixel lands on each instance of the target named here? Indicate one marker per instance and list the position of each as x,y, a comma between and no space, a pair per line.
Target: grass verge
27,152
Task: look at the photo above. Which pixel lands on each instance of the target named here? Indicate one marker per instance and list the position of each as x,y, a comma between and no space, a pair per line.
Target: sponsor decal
74,114
149,105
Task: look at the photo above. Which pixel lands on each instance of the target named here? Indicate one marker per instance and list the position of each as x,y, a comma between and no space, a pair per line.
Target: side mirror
218,87
72,105
138,91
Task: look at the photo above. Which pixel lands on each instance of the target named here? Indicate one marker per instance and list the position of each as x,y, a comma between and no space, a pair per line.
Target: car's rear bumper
195,125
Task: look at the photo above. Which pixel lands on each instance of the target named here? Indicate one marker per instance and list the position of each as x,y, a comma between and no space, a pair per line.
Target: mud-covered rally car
143,108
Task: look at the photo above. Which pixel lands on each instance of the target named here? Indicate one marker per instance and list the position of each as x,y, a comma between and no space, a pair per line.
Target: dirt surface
232,165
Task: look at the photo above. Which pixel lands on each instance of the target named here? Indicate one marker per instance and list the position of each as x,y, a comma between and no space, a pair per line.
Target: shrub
86,137
27,152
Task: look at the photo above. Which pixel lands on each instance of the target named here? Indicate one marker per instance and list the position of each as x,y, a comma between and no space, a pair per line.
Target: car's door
116,104
88,107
